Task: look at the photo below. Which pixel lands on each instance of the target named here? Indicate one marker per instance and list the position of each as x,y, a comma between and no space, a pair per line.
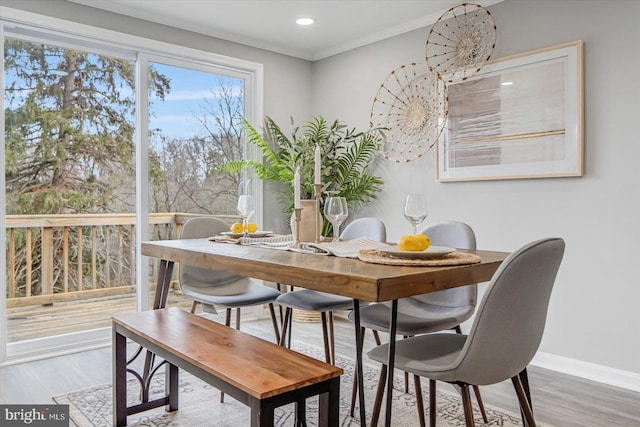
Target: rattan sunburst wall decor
411,109
460,42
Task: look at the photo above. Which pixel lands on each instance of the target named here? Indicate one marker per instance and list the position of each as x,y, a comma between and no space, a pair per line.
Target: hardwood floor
26,323
559,400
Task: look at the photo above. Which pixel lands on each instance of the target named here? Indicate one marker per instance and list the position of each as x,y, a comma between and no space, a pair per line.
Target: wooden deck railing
54,258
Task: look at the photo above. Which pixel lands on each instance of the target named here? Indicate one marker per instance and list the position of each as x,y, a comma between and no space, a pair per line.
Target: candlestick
317,166
317,188
296,188
298,213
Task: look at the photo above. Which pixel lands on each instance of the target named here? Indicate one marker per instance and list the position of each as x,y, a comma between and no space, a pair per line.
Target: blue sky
177,115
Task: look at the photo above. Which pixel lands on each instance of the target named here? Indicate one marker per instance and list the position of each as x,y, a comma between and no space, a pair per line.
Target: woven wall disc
411,109
460,42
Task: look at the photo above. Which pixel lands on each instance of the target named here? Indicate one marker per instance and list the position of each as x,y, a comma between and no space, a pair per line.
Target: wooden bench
255,372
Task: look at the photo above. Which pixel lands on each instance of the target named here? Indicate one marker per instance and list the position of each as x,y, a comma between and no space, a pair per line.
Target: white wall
595,308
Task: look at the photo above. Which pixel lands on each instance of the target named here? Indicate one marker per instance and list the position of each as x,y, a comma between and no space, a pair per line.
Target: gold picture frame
520,117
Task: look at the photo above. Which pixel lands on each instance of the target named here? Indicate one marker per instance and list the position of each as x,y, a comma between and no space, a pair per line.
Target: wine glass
336,211
246,208
415,210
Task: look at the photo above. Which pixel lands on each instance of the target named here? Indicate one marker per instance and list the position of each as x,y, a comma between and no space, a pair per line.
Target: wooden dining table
348,277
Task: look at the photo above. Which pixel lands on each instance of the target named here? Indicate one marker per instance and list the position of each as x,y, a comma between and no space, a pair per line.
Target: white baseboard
578,368
60,345
590,371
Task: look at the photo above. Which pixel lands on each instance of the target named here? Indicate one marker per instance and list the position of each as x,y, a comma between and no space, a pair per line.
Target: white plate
255,235
430,252
259,234
232,234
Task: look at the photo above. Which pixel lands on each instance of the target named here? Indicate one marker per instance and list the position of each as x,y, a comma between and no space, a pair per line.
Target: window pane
193,129
69,124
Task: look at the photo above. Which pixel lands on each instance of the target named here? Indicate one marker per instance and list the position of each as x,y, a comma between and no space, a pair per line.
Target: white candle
296,188
318,166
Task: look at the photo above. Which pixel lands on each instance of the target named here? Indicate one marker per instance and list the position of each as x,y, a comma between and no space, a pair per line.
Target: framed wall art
519,117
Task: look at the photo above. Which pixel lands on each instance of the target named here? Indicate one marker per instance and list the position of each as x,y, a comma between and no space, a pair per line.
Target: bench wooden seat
260,374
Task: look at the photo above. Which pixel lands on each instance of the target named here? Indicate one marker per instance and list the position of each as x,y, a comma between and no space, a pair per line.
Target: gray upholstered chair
310,300
431,312
504,337
214,288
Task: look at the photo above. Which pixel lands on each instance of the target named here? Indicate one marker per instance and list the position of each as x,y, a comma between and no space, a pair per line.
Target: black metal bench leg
301,413
329,405
171,386
261,414
119,380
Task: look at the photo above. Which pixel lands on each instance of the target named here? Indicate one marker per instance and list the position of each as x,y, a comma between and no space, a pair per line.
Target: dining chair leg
466,403
376,336
354,393
354,387
432,403
274,322
377,405
524,402
325,338
193,307
524,380
419,402
285,326
279,287
476,389
227,320
406,375
238,318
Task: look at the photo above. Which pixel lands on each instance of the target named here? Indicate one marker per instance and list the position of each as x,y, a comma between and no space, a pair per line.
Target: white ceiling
340,25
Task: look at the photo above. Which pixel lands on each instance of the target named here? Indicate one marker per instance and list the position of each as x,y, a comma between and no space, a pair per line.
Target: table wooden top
255,366
340,276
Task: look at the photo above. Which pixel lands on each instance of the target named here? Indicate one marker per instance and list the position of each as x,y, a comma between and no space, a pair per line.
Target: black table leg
391,359
164,282
359,350
165,271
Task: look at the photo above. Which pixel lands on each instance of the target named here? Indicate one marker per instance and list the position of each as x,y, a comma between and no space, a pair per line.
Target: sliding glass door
105,146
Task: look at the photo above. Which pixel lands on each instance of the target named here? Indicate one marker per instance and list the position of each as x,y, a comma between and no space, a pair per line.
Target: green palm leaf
346,156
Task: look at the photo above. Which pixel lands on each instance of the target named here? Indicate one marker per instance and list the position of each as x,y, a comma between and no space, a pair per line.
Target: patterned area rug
200,404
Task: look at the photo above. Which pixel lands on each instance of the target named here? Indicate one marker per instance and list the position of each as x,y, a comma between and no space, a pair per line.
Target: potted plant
346,155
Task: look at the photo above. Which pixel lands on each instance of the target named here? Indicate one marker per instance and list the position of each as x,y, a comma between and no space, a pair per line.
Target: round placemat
453,258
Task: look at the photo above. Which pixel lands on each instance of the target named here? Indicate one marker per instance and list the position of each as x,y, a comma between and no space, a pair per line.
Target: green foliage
346,155
69,127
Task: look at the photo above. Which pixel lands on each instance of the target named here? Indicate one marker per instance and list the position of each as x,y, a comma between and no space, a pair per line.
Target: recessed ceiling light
305,21
506,83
